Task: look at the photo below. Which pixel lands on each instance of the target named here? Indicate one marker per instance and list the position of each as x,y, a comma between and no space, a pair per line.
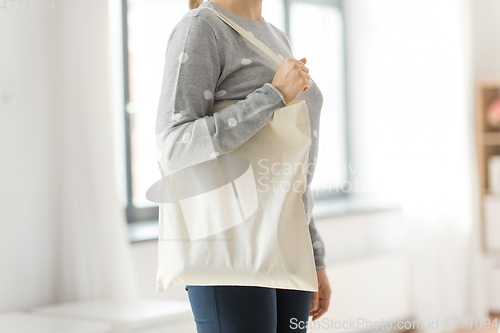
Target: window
145,42
315,29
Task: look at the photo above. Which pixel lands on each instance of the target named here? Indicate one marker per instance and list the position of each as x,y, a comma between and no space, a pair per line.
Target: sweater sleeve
318,245
186,131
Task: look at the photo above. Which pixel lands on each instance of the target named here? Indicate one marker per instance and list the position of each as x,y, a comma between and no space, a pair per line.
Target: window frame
133,214
338,193
139,214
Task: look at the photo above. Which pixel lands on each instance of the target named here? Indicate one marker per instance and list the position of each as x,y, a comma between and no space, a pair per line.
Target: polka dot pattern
183,57
315,133
186,137
176,116
317,244
208,94
232,122
246,61
220,93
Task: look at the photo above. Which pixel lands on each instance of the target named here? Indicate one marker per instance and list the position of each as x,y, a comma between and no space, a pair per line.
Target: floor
494,320
189,327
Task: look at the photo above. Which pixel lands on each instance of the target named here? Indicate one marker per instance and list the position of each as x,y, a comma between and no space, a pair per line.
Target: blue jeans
240,309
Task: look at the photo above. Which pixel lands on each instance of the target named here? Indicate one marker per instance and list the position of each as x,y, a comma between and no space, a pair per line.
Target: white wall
486,35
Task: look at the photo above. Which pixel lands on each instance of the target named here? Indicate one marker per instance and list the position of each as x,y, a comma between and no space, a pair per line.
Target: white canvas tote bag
239,218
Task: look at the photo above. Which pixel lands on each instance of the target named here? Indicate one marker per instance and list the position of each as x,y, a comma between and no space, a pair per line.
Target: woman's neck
250,9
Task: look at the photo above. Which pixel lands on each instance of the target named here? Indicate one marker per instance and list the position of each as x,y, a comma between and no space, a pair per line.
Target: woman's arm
318,245
186,133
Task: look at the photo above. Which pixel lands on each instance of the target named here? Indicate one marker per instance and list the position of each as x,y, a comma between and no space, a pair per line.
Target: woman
206,61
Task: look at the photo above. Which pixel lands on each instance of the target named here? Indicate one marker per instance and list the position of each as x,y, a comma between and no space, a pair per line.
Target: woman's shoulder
199,20
205,13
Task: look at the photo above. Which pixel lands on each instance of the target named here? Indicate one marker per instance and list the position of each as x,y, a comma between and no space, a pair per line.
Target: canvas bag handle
263,47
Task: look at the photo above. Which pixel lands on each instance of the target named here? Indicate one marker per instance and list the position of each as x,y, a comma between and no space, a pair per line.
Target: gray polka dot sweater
208,61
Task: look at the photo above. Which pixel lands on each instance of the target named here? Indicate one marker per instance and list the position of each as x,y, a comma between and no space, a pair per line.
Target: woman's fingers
324,293
323,305
308,83
301,64
292,78
323,302
314,303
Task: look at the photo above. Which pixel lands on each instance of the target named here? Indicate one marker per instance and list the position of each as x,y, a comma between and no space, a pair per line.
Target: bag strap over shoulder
248,36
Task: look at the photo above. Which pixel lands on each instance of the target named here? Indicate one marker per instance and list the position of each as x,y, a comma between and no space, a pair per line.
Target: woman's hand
320,301
292,78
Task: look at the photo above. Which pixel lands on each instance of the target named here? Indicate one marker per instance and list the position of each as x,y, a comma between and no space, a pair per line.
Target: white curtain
440,192
95,259
412,104
62,226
